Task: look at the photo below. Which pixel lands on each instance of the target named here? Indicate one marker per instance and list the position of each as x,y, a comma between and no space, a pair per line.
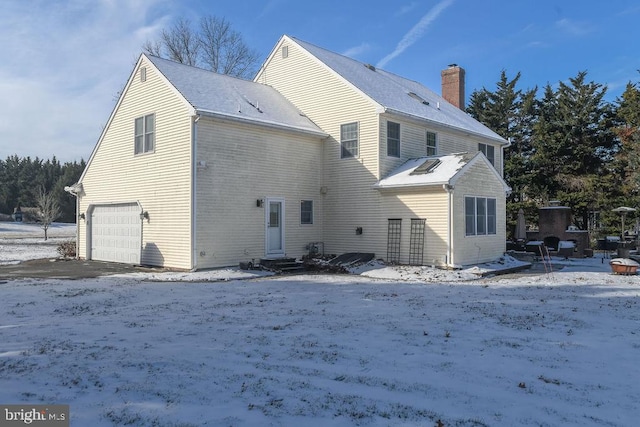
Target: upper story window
489,152
145,134
349,140
393,139
432,144
143,74
306,212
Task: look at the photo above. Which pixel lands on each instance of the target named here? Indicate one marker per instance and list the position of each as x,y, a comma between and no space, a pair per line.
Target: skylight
427,167
418,98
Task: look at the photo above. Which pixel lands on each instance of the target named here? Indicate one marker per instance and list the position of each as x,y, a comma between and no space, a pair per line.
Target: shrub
67,249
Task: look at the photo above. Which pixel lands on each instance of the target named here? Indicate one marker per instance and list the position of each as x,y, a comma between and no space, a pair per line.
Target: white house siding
428,203
159,181
478,181
246,163
350,201
413,142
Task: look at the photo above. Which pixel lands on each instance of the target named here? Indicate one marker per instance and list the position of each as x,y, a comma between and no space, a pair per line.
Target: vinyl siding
413,143
427,203
246,163
159,181
479,182
329,101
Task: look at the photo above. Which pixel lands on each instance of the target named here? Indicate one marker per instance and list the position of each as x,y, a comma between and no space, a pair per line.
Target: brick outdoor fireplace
555,225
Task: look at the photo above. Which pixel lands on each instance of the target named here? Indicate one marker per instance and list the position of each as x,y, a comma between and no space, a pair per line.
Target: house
197,170
377,122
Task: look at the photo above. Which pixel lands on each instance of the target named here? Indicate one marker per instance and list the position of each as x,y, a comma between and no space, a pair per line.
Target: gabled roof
397,95
434,171
224,96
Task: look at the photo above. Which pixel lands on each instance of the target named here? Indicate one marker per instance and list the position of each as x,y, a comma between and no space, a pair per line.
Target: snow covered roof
412,174
234,98
435,171
398,95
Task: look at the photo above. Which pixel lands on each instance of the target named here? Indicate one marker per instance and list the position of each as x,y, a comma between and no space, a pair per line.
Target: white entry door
275,227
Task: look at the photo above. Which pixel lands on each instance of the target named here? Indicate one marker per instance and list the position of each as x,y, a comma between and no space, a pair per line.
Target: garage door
116,233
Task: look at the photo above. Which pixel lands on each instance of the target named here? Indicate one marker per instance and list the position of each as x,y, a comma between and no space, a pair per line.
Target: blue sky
64,61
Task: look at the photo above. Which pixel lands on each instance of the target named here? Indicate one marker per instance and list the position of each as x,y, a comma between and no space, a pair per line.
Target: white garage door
116,233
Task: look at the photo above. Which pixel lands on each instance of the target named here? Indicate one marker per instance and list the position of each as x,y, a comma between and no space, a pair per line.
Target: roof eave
407,186
421,119
272,125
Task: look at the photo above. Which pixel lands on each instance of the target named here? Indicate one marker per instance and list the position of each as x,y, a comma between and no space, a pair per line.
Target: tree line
24,179
567,144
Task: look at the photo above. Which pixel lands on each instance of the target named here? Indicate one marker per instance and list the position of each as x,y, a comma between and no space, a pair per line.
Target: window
285,52
349,140
143,74
145,134
306,212
432,144
393,139
488,151
480,216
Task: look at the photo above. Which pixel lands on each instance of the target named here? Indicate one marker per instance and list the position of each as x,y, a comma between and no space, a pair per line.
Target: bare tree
48,209
214,46
223,49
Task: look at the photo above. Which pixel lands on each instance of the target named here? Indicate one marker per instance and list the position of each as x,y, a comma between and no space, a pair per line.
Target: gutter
194,186
272,125
75,190
449,189
422,120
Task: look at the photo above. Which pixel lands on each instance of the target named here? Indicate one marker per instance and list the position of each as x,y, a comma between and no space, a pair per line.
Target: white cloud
574,28
357,50
416,32
66,61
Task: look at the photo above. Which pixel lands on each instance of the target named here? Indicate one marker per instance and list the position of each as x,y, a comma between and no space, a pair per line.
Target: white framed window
480,216
432,143
306,212
393,139
143,74
285,52
144,141
489,152
349,140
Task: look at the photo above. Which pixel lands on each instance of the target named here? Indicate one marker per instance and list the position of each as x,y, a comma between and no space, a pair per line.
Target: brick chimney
453,85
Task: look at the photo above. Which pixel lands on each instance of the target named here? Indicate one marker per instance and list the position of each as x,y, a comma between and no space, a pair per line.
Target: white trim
268,253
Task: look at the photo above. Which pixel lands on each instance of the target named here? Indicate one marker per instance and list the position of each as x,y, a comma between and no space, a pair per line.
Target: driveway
67,269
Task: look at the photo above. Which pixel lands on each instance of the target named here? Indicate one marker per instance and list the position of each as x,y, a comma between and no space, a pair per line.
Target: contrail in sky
416,32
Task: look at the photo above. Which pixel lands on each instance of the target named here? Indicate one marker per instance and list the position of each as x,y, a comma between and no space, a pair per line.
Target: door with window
275,227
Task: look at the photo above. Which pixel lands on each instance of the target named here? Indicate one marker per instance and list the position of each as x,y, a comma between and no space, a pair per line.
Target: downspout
449,189
194,199
74,190
502,147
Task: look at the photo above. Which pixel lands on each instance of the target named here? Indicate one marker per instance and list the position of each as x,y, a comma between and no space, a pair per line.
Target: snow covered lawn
316,350
22,242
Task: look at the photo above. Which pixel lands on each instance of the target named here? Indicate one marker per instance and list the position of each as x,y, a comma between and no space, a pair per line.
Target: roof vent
371,67
427,167
418,98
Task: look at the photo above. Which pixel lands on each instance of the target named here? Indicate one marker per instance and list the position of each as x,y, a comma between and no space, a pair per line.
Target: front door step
282,265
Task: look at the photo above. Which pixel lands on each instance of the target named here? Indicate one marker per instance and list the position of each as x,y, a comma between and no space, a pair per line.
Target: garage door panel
116,233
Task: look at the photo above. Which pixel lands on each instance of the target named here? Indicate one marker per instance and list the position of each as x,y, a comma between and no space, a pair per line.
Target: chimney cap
453,65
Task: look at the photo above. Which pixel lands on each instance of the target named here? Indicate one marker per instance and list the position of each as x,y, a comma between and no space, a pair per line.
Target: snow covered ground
384,346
